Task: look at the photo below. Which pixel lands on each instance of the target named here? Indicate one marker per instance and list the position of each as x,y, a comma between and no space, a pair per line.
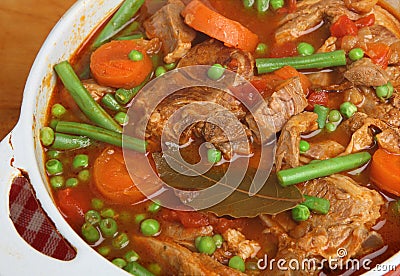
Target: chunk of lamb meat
385,18
360,6
363,130
353,211
168,25
288,152
309,14
178,260
212,51
365,72
389,139
272,114
96,90
324,150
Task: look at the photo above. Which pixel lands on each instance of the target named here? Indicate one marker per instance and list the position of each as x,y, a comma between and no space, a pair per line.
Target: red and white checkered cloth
33,224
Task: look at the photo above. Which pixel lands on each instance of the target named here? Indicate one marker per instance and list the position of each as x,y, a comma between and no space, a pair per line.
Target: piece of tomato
366,21
317,97
343,26
379,53
73,205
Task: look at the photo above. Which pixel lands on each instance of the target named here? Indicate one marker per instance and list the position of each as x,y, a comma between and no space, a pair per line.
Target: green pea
216,71
348,109
214,155
108,227
72,182
248,3
97,203
160,70
92,217
330,127
356,54
384,92
207,245
334,116
150,227
47,136
121,263
131,256
57,181
154,207
104,250
122,118
120,241
135,55
53,154
54,167
218,239
84,175
170,66
90,233
58,110
80,161
304,146
300,213
277,4
305,49
236,262
107,213
197,241
261,49
155,268
139,218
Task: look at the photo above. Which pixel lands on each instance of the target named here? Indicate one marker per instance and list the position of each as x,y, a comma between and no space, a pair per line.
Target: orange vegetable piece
379,53
111,66
112,179
385,171
287,72
232,33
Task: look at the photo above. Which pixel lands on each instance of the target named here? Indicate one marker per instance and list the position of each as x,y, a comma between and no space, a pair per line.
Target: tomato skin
379,53
287,49
366,21
73,205
317,97
187,218
385,171
343,26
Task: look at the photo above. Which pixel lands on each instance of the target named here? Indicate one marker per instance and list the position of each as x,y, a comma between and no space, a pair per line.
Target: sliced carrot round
385,171
112,179
232,33
111,66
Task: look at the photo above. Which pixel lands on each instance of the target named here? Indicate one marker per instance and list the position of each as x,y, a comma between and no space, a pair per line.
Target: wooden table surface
25,25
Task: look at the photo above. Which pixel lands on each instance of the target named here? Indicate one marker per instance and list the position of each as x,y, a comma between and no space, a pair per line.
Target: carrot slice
287,72
112,179
111,66
385,171
232,33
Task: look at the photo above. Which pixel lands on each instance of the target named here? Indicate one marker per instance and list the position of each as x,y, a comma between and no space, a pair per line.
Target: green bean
119,262
83,98
125,13
102,135
262,5
317,204
124,96
318,60
248,3
47,136
53,123
155,268
170,66
129,30
136,269
160,70
122,118
322,168
322,113
57,110
69,142
300,213
130,37
111,103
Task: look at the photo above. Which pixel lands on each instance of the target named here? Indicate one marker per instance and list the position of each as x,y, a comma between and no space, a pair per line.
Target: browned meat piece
239,245
353,95
385,18
96,90
288,100
364,130
394,75
395,53
354,210
360,6
178,260
365,72
287,153
309,14
389,140
168,25
324,150
212,51
328,46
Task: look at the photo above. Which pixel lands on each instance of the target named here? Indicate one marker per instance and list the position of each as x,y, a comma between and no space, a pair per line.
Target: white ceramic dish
23,147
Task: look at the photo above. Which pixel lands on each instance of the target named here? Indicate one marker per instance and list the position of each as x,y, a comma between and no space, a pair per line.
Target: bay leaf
271,199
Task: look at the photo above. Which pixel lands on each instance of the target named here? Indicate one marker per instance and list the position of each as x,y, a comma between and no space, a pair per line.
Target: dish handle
17,257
